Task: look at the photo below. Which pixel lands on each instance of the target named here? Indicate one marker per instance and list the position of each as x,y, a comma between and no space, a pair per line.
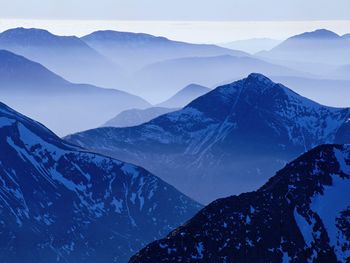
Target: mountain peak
194,88
37,36
112,35
258,77
23,32
317,34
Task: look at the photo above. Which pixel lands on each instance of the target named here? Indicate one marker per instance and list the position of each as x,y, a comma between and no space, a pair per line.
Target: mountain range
158,81
61,203
319,46
300,215
136,50
68,56
227,141
56,102
134,117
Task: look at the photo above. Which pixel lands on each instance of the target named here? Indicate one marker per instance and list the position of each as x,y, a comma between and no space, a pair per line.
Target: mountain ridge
229,139
40,93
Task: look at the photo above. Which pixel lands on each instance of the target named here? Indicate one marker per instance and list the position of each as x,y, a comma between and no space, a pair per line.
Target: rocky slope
302,214
60,203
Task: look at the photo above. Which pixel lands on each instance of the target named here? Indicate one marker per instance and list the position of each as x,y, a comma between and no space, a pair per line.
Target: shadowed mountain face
301,215
185,96
136,117
320,46
135,50
164,78
60,203
68,56
59,104
227,141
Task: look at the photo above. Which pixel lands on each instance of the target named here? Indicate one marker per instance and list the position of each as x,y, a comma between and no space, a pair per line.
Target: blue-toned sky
177,9
210,21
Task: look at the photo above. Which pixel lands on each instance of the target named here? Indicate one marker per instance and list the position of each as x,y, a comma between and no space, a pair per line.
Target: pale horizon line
210,32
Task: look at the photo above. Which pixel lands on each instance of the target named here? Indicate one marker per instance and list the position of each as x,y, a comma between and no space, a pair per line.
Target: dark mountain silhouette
300,215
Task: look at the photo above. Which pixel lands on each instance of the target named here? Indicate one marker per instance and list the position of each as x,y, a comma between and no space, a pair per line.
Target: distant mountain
68,56
59,104
227,141
253,45
160,80
300,215
347,36
60,203
135,50
320,46
185,96
134,117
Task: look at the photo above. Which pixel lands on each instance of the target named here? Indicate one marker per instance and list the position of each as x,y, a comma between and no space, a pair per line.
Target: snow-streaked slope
185,96
227,141
62,106
60,203
300,215
134,117
68,56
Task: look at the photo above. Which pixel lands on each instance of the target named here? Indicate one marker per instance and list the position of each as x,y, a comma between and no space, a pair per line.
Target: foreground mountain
134,117
165,78
320,46
136,50
68,56
227,141
60,203
185,96
300,215
59,104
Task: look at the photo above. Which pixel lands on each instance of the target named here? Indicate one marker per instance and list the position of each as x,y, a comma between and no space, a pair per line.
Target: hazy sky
177,9
200,21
